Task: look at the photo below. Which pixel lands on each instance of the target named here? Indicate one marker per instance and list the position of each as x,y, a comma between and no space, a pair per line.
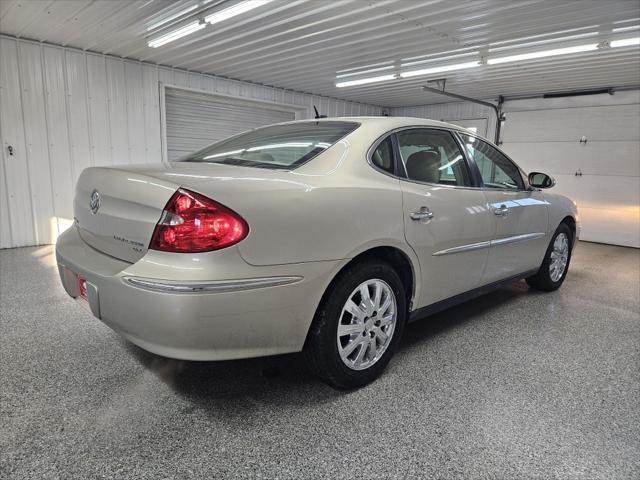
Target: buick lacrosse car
324,236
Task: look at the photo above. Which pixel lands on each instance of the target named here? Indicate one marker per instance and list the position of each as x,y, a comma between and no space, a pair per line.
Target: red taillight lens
194,223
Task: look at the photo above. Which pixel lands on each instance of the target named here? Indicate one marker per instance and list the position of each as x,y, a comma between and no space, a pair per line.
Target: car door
520,213
447,222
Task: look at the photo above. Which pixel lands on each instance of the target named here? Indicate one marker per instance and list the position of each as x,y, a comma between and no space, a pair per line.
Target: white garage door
195,120
607,187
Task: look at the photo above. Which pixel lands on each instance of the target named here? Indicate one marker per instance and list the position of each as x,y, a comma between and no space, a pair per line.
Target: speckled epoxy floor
516,384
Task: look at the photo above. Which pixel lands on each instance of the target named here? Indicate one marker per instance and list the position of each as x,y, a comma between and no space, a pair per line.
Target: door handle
423,214
501,211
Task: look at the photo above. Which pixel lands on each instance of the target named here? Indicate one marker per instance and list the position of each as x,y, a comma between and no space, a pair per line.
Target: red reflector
82,287
194,223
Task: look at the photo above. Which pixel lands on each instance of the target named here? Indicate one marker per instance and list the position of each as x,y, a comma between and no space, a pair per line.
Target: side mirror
541,180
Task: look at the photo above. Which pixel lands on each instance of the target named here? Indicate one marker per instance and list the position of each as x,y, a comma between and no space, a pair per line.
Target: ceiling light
176,34
543,54
444,68
626,42
172,17
362,81
237,9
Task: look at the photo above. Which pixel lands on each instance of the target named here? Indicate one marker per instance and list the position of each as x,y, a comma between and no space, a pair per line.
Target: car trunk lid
117,210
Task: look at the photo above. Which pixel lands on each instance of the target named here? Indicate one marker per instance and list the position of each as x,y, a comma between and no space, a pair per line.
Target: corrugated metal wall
63,110
450,112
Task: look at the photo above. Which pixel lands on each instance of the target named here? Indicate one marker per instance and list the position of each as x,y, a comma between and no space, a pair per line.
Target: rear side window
433,156
277,146
382,156
496,169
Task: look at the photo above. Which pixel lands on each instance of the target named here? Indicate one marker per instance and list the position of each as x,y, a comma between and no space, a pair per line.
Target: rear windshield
278,146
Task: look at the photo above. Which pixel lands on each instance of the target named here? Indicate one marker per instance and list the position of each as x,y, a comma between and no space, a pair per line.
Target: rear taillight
194,223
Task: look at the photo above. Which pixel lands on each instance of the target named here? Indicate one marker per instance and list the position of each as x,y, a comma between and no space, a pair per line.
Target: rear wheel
556,261
358,325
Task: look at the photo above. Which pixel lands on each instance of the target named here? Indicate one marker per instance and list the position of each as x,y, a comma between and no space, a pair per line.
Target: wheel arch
394,256
571,223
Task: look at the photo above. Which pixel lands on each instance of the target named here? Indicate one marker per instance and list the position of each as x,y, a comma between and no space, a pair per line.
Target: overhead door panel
195,120
594,154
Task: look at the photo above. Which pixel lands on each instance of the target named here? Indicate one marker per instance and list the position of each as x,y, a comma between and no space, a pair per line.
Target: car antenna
317,113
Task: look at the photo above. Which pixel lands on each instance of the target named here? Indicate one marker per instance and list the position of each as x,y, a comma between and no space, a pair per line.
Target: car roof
387,122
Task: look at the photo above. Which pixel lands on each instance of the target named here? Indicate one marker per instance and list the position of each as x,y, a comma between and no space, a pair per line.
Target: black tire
542,280
321,349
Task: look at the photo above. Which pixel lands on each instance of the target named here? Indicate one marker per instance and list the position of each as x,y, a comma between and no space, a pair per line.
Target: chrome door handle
501,211
423,214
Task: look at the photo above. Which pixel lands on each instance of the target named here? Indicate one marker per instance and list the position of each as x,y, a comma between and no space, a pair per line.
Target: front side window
433,156
277,146
496,169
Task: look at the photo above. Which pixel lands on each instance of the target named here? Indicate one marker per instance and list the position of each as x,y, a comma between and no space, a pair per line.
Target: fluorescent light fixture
543,53
545,41
172,17
625,29
444,68
362,81
176,34
626,42
237,9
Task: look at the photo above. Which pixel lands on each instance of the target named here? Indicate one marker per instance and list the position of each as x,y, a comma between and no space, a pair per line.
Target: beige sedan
321,236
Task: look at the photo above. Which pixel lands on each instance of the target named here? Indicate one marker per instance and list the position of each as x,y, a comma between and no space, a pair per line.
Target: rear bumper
267,311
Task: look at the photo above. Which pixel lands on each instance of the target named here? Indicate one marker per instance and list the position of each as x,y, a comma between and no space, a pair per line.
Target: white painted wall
63,110
544,134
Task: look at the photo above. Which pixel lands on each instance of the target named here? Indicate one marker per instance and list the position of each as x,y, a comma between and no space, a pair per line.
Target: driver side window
496,169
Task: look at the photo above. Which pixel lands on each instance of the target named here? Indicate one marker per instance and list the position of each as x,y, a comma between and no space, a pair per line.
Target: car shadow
241,385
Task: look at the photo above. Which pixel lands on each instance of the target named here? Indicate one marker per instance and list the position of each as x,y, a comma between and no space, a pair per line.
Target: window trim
399,168
471,160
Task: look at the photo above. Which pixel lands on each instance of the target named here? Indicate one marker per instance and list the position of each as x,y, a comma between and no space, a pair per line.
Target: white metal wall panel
79,119
36,137
98,110
63,110
195,120
151,106
118,120
135,111
21,227
57,126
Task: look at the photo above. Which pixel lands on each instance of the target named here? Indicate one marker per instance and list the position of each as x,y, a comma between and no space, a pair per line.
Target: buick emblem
94,203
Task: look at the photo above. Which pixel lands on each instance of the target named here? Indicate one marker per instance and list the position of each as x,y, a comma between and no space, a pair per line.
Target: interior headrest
424,166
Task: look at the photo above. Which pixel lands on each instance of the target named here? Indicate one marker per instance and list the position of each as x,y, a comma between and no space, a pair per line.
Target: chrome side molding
493,243
518,238
463,248
217,286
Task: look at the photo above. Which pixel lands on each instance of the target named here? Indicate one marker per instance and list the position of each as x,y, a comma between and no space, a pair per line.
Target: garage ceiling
303,44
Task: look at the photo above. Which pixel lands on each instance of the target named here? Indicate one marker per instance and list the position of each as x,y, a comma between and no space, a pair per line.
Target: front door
447,222
521,219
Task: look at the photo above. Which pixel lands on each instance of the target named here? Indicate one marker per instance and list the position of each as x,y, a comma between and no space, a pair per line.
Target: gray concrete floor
516,384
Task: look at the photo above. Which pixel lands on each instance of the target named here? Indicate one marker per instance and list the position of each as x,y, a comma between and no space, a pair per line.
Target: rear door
446,218
520,215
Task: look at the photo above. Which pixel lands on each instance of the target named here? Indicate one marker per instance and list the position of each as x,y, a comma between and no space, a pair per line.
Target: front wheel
358,325
556,261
